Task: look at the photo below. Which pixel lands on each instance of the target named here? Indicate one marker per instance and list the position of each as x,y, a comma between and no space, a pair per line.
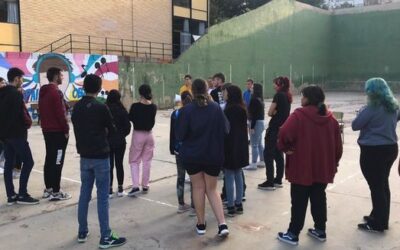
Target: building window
182,3
9,12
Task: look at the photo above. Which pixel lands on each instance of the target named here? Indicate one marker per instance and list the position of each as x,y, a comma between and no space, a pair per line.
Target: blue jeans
13,148
94,170
257,148
234,180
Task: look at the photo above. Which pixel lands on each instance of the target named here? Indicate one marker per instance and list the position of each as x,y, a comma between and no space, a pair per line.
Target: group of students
207,139
208,134
100,132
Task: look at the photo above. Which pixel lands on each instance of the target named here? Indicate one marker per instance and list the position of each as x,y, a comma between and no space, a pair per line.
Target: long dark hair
200,95
258,91
145,92
235,97
316,97
114,98
283,84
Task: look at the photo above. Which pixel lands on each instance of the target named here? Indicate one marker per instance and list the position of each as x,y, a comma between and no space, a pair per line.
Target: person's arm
125,122
132,114
252,109
338,144
225,122
108,121
172,133
182,125
362,119
60,111
275,103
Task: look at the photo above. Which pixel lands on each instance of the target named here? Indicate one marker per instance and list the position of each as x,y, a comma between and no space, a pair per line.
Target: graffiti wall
74,69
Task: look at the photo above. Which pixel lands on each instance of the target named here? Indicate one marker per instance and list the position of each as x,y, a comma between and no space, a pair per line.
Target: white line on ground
142,198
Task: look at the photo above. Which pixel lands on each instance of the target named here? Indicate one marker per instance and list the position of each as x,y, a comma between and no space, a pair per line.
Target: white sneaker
261,164
60,196
1,170
252,166
121,194
47,193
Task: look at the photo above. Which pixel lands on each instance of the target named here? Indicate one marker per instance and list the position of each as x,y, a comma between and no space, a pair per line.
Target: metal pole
263,78
188,68
313,73
230,72
163,90
122,47
70,41
290,77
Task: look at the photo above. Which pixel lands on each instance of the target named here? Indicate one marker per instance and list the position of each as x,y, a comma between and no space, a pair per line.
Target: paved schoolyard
151,222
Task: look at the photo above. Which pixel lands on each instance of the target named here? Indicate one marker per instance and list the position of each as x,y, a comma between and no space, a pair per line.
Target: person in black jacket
278,111
117,141
257,126
93,122
201,128
236,149
14,124
174,145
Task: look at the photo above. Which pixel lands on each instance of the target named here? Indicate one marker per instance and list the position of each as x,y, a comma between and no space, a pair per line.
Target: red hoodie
52,109
316,144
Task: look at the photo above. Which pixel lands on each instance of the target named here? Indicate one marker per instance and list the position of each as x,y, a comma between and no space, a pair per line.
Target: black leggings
271,154
376,162
117,157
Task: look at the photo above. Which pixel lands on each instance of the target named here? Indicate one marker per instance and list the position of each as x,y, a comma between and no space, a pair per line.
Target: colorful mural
74,69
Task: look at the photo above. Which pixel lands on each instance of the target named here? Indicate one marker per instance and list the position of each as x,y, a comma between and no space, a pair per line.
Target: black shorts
211,170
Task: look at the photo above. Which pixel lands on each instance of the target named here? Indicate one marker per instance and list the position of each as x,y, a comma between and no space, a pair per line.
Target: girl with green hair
378,143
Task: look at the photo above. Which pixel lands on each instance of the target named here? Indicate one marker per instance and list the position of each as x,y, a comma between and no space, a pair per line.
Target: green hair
379,93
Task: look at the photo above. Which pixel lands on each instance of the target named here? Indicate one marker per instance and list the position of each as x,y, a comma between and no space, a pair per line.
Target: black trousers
117,159
376,162
300,195
271,154
56,144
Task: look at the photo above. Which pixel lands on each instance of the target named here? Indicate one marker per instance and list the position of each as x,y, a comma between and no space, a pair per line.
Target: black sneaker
82,237
231,211
11,200
266,186
223,230
239,208
289,238
145,190
369,219
27,200
112,241
134,192
369,228
201,229
317,234
278,184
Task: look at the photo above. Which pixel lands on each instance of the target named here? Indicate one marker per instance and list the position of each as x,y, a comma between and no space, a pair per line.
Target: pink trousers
142,147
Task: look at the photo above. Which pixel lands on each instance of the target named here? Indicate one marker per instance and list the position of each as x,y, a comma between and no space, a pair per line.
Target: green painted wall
365,45
337,50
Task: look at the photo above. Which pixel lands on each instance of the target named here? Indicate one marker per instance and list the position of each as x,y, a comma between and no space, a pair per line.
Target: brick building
109,26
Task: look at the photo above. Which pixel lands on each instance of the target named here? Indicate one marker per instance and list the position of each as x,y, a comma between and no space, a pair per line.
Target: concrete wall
45,21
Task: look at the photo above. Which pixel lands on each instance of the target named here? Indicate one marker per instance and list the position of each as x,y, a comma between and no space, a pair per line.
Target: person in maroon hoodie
310,137
54,123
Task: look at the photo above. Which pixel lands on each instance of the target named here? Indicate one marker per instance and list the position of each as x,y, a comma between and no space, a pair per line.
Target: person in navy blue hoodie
174,145
201,127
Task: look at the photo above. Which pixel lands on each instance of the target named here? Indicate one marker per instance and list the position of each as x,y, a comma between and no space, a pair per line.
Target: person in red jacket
311,140
54,123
